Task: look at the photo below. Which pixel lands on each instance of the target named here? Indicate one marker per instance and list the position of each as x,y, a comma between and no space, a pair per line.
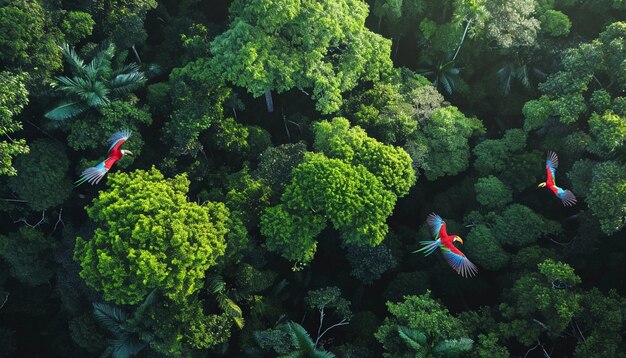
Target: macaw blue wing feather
435,222
567,197
461,264
122,135
552,162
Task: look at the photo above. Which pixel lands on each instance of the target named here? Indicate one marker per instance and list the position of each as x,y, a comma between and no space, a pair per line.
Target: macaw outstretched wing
552,162
93,175
457,260
117,139
567,197
435,222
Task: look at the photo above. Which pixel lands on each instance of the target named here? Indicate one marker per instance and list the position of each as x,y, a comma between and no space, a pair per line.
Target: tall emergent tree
148,236
277,45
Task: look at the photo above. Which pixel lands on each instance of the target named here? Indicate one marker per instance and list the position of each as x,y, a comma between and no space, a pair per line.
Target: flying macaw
566,196
454,256
93,175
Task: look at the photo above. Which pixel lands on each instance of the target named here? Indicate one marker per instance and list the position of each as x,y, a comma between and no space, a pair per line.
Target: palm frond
97,96
147,302
505,73
111,317
448,83
413,338
72,58
215,284
454,346
522,75
131,67
300,337
125,83
65,110
323,354
126,345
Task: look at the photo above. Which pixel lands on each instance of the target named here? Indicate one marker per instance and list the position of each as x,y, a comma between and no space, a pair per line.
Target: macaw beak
128,152
458,238
541,185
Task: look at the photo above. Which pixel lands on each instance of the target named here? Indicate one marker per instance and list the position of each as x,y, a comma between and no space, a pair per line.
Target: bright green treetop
13,97
284,44
149,236
446,135
391,165
323,189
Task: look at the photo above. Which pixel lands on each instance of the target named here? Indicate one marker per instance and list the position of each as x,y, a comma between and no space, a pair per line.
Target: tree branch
5,300
43,218
342,323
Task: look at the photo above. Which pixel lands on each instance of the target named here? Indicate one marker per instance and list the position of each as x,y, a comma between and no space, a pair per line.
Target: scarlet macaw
566,196
454,256
93,175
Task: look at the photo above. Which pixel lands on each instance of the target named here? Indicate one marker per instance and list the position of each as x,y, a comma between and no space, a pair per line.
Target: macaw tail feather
429,247
92,175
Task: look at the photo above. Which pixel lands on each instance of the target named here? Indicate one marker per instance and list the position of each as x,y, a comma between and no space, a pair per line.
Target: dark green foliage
492,193
422,325
369,263
77,25
607,195
519,226
41,178
28,253
555,23
94,132
484,248
407,283
276,164
547,293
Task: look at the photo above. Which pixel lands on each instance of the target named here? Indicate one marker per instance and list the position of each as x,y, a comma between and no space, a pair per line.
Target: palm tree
516,70
124,327
91,85
420,346
442,73
303,343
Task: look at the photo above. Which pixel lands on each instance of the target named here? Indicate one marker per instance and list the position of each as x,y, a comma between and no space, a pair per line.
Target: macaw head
541,185
127,152
458,239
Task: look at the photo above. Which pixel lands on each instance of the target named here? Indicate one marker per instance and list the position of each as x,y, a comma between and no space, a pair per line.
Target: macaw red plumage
566,196
457,260
93,175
